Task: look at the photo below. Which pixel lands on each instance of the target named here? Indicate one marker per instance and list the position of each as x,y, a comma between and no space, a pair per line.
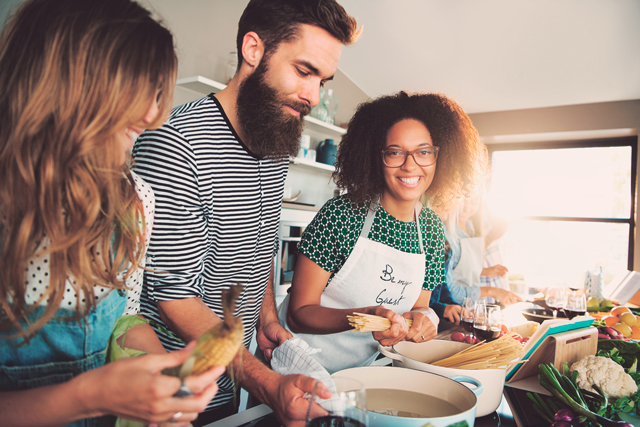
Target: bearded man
218,168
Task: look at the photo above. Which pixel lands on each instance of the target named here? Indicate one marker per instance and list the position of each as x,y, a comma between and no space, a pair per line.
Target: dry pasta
370,323
500,353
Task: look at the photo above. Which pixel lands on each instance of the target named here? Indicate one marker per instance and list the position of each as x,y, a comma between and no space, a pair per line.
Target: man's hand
289,403
452,313
271,336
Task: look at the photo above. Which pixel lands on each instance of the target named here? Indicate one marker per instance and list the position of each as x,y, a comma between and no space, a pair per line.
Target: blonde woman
80,80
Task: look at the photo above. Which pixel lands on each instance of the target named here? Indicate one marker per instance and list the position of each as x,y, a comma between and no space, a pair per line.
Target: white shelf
201,84
205,86
311,164
321,126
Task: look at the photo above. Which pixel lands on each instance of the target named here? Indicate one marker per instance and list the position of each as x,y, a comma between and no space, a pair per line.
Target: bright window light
538,189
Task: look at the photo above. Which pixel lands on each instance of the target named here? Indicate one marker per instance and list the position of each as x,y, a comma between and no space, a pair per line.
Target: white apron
374,274
467,272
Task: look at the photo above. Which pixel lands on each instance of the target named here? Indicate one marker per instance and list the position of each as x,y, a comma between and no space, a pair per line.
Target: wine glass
576,305
466,315
347,407
556,299
487,321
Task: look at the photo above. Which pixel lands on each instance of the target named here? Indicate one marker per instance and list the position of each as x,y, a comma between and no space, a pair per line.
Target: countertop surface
301,206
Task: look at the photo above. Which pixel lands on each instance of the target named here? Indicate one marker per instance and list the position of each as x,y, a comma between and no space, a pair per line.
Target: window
571,207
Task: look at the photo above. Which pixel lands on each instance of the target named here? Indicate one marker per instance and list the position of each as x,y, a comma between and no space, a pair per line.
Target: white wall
205,33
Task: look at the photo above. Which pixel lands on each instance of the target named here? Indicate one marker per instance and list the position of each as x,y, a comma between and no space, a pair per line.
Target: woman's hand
504,296
452,313
135,389
422,328
398,330
495,271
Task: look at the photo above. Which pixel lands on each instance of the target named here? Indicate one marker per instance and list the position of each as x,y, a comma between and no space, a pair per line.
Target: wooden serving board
568,347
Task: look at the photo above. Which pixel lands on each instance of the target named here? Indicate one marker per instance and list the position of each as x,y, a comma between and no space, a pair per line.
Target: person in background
376,249
218,168
80,80
442,301
468,258
492,227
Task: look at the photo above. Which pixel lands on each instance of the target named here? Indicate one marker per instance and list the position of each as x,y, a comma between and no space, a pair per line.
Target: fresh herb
625,353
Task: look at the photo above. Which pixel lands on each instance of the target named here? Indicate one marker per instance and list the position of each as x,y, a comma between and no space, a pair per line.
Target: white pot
412,355
431,385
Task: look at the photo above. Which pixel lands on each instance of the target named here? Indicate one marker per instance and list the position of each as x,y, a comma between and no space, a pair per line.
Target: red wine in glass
556,309
486,333
467,324
573,313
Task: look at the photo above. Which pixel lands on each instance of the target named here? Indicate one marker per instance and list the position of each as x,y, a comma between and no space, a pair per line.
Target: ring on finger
176,415
183,391
423,338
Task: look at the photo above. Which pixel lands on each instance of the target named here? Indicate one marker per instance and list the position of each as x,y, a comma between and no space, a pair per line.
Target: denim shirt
441,295
60,350
458,292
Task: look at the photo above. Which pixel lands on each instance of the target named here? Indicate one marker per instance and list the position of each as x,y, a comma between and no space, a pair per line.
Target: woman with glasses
376,249
80,80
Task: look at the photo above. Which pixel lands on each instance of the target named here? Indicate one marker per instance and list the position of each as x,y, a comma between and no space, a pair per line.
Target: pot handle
389,352
464,379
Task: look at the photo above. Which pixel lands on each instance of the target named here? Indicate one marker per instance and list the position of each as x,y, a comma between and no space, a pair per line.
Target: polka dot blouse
333,232
37,270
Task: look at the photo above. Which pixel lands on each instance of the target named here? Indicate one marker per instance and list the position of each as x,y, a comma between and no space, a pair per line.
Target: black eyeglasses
422,156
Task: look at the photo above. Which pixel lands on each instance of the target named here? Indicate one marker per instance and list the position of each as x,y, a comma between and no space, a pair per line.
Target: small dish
540,314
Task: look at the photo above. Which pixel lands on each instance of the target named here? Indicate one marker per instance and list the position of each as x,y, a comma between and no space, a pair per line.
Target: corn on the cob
220,344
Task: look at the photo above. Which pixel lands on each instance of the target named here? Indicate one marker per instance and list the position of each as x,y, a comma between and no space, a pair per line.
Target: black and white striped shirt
217,215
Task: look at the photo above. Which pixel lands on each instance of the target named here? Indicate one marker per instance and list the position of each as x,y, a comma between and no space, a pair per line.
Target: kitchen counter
301,206
262,416
521,415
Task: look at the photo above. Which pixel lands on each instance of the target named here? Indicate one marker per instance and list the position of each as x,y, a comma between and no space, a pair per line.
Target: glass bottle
320,111
595,282
331,103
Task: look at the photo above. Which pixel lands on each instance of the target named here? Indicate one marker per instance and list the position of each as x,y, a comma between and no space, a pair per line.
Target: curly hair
462,162
74,73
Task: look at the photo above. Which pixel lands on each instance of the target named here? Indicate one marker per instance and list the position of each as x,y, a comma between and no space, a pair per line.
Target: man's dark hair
462,161
277,21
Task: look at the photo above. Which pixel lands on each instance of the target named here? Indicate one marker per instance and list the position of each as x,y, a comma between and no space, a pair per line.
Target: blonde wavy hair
74,74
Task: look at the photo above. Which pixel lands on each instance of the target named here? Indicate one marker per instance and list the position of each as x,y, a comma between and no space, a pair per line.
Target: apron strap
368,222
371,214
418,226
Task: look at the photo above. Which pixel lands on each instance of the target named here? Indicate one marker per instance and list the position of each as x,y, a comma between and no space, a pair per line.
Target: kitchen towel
294,356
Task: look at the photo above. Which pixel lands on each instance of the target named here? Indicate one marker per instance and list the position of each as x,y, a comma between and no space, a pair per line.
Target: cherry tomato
457,336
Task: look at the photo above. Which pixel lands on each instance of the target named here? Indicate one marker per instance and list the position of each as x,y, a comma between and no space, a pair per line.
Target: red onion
564,415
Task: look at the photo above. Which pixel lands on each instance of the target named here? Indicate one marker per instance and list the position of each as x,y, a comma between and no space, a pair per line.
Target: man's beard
269,129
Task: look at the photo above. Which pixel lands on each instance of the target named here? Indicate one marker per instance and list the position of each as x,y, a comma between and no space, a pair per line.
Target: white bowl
430,385
413,355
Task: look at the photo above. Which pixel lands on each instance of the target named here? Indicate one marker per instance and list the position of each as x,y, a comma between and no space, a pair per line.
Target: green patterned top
333,232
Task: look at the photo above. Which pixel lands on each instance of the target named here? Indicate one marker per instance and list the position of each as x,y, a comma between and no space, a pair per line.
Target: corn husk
219,345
